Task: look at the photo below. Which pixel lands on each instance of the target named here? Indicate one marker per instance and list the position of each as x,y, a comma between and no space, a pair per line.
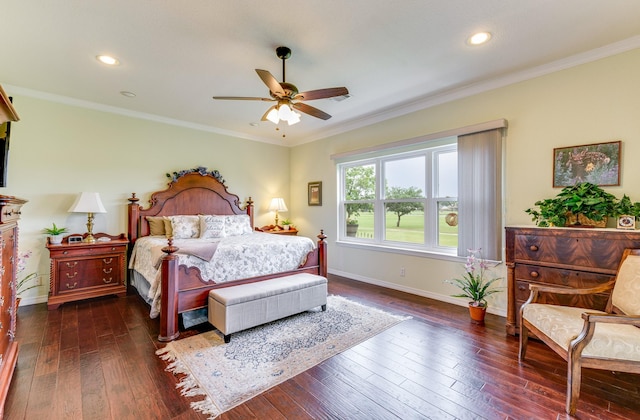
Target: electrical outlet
38,281
402,272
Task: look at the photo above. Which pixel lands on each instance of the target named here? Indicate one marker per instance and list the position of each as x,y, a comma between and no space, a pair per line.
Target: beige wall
591,103
59,150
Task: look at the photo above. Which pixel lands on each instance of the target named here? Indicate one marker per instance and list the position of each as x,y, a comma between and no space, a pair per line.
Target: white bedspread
236,257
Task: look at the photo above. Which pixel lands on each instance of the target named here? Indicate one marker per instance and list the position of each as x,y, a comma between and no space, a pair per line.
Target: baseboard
413,291
26,301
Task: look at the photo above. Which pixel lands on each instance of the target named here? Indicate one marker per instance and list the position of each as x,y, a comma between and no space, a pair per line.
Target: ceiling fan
287,96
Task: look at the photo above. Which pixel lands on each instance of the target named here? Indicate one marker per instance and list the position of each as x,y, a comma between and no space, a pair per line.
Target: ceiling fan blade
264,117
271,82
321,94
314,112
242,98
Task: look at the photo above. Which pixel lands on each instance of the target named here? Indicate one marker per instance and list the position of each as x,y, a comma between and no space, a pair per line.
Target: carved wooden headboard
189,193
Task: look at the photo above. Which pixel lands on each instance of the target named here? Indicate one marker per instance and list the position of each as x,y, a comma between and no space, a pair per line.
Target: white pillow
212,227
185,227
237,224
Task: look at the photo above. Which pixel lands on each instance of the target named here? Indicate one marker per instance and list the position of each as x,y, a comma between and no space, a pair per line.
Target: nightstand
277,230
87,270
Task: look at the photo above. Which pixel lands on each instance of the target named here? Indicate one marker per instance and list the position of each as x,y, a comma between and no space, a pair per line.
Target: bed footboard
183,290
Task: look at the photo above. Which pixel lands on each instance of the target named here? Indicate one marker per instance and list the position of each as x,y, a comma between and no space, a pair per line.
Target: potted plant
352,226
286,224
27,282
55,233
627,213
475,285
574,205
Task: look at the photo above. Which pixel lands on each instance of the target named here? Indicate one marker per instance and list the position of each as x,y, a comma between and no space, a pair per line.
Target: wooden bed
183,289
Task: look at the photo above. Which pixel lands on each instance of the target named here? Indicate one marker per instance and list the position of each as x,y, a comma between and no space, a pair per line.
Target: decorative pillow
185,227
167,227
237,224
212,227
156,225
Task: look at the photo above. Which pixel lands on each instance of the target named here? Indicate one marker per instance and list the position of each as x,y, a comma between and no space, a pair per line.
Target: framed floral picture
597,163
315,193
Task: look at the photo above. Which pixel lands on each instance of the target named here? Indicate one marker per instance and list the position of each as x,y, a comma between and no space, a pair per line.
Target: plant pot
584,222
56,239
477,313
286,227
352,230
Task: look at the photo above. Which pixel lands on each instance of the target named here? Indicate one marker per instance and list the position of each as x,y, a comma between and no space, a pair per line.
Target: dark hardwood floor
95,360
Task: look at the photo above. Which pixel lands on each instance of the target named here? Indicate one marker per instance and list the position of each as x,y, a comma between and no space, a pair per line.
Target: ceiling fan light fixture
284,112
273,116
294,118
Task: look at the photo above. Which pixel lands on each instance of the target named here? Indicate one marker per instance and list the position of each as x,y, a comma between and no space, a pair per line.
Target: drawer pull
522,287
107,271
72,286
73,264
107,260
70,276
107,281
534,248
534,274
65,252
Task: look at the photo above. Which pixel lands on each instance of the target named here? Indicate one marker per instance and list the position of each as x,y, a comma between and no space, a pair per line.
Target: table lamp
277,204
90,203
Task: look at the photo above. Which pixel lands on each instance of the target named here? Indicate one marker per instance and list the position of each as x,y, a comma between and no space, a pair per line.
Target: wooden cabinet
9,215
87,270
568,257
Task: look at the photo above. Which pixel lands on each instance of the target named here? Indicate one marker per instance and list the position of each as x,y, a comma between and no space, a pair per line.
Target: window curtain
480,193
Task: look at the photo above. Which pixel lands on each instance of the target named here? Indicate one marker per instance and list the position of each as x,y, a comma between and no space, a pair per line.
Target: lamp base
90,239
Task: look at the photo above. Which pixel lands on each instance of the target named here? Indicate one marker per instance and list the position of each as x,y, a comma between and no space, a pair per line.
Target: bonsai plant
475,285
55,233
566,209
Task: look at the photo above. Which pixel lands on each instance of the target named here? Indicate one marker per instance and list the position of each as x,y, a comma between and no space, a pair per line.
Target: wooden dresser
569,257
87,270
9,215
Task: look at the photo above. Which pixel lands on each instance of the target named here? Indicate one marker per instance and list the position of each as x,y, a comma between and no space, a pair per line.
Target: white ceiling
393,56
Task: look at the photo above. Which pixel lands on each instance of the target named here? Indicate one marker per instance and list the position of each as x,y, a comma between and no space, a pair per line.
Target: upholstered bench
237,308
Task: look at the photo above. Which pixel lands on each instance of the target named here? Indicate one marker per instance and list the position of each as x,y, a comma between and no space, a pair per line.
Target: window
402,199
441,196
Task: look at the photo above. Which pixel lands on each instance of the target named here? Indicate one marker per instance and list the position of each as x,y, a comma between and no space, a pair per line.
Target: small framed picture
315,193
626,222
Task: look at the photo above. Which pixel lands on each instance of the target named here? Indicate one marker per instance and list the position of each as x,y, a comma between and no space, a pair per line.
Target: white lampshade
294,118
277,204
88,202
284,112
273,115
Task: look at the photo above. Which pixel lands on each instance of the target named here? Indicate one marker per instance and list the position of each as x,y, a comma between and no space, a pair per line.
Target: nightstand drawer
84,250
97,272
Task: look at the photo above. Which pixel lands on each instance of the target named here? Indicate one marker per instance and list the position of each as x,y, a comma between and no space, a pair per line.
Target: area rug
259,358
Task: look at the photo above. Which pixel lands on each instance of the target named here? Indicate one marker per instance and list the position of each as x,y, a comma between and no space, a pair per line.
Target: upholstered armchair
588,338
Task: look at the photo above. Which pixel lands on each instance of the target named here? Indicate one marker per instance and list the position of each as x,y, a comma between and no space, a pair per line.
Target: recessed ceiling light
254,124
107,59
479,38
127,94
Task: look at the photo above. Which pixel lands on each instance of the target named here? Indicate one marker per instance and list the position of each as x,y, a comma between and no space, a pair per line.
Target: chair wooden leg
574,377
524,340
